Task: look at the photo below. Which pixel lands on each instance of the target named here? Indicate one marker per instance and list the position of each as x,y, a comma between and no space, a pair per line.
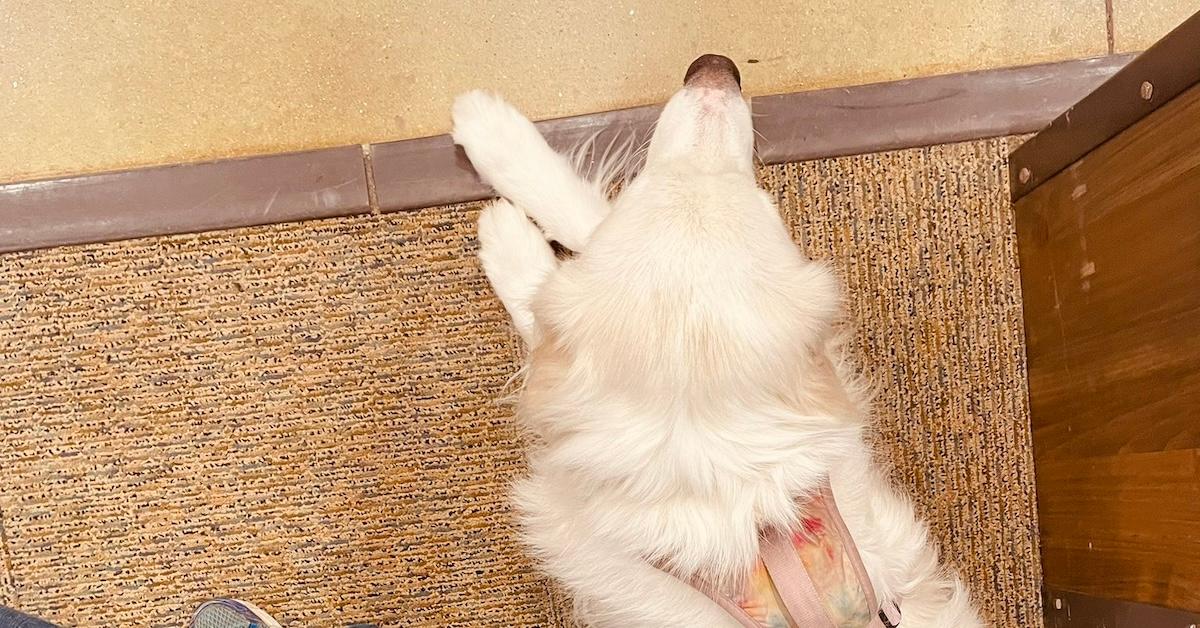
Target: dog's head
706,125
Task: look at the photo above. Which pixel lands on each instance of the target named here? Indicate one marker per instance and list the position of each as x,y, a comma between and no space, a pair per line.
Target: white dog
684,382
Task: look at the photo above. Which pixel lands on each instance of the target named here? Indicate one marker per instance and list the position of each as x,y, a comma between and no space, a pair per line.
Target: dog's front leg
516,259
509,153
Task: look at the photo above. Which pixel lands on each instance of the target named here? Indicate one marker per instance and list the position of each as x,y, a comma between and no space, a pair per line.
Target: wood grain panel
1087,523
1110,265
1110,252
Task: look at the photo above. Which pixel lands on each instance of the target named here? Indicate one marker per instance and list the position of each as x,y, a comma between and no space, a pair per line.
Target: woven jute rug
305,415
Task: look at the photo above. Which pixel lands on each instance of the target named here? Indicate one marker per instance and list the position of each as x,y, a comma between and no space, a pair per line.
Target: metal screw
1147,90
1024,175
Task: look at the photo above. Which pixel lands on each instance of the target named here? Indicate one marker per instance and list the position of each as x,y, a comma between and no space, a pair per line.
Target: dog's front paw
486,125
504,227
516,259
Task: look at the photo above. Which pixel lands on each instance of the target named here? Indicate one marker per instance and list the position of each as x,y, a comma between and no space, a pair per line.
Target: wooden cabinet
1108,222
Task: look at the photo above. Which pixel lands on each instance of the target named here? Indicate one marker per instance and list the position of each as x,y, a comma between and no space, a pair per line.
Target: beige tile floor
1137,24
101,84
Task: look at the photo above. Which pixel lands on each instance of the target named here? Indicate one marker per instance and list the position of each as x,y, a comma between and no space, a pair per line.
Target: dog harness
810,578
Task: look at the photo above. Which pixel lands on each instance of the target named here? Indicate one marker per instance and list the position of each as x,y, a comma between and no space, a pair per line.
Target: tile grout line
372,195
1108,26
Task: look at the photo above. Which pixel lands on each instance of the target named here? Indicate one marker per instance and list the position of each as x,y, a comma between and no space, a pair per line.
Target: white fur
507,150
684,382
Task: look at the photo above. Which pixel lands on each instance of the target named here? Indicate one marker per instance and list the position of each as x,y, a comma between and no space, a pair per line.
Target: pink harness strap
791,580
792,587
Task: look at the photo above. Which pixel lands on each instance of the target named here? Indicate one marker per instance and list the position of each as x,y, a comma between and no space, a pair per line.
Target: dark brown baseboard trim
413,174
1064,609
924,111
1148,82
183,199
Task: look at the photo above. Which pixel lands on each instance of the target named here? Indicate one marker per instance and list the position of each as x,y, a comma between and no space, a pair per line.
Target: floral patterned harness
811,578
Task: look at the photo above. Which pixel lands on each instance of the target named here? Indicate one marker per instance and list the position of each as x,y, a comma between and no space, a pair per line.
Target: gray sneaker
231,614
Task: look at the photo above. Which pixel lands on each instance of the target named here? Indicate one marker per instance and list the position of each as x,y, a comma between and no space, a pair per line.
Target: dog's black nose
712,71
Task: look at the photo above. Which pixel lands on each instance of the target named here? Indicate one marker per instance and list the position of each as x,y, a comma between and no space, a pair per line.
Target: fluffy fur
684,383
